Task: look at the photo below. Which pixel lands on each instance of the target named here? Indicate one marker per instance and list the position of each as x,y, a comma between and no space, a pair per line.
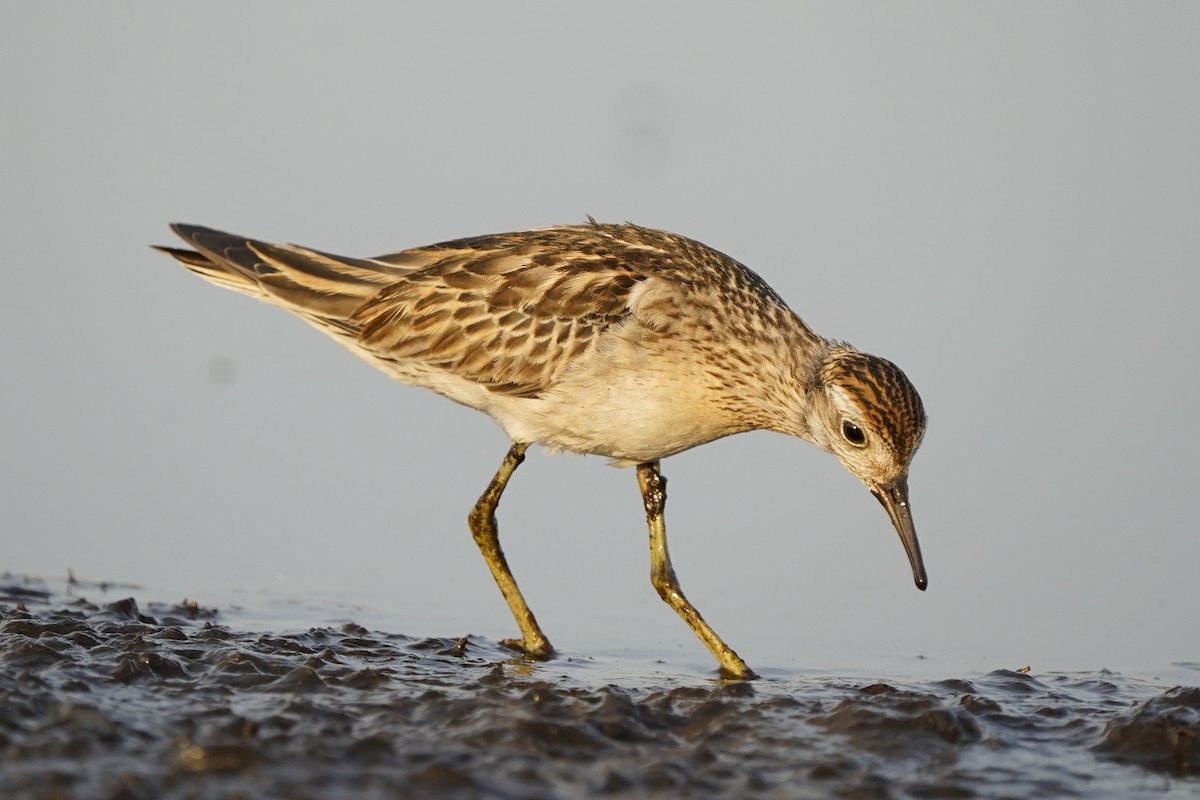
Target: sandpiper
615,340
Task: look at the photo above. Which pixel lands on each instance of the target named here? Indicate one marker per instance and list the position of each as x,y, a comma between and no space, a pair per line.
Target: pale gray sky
1002,198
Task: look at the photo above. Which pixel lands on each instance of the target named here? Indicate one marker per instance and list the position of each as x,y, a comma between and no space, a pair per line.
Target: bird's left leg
482,521
662,574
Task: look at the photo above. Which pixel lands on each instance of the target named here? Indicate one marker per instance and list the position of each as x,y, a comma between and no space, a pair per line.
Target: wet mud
110,698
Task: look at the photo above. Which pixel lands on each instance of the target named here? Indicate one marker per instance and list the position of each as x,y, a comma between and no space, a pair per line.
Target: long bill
894,498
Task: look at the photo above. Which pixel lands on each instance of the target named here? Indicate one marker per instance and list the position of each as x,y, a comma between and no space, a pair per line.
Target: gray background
1002,198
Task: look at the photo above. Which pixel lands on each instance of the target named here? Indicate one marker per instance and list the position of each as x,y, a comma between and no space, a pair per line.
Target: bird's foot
539,650
737,672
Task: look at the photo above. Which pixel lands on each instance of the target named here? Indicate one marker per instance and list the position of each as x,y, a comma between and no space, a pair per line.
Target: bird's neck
787,383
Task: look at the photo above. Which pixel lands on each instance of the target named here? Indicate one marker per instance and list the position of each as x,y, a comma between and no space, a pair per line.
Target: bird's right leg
662,575
482,521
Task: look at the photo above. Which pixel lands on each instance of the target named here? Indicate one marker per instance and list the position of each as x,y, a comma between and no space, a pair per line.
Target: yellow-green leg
662,574
482,521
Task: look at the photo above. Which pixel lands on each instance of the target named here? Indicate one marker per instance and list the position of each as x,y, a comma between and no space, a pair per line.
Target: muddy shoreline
129,699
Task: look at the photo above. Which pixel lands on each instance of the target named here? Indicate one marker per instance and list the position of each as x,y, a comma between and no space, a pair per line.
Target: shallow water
108,699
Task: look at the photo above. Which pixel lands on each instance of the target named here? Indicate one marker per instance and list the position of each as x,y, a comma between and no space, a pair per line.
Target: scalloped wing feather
509,320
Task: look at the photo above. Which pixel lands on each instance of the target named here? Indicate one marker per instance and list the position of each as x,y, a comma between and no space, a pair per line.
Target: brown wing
508,312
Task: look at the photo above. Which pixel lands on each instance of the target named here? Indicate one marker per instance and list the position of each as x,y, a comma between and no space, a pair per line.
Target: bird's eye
854,434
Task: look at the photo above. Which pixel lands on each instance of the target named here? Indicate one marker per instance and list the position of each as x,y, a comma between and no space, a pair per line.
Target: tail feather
308,280
321,287
213,271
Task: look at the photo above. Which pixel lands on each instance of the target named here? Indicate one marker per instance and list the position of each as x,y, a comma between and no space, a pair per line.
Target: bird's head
867,413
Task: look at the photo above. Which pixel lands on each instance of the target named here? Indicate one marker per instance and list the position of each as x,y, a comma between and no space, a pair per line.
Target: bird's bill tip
894,498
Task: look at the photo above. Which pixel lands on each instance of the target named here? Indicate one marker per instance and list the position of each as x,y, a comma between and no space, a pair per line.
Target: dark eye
854,434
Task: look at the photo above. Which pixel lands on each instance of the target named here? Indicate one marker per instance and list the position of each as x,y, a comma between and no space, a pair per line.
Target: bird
607,339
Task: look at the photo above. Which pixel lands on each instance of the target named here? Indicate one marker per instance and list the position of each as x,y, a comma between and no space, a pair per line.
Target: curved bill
894,498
